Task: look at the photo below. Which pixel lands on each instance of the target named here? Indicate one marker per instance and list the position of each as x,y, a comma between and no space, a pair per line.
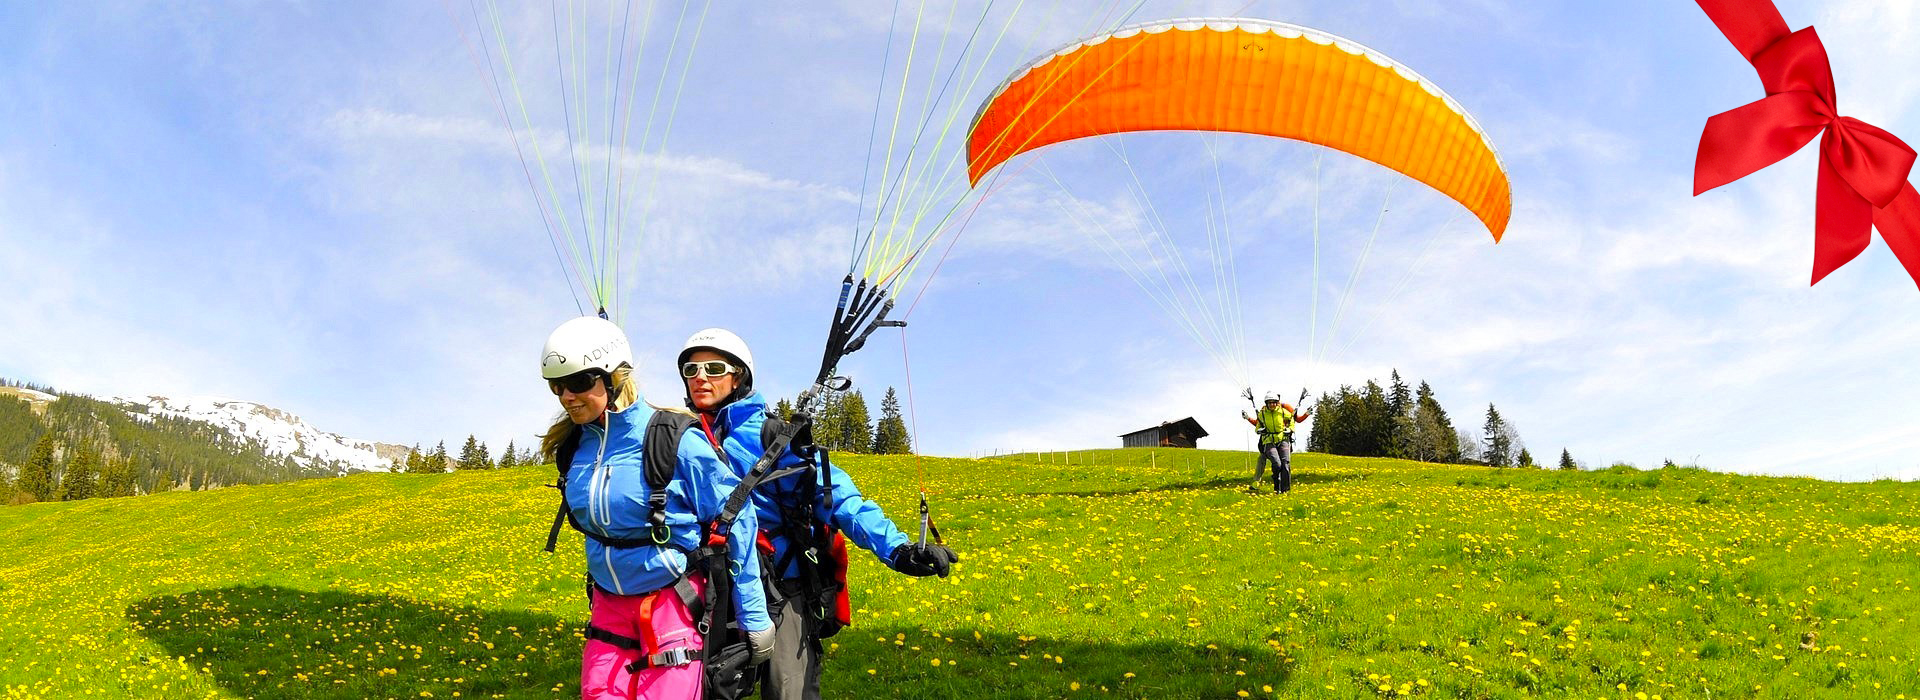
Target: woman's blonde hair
625,393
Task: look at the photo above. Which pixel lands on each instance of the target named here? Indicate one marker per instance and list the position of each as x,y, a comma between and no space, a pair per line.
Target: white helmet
585,343
723,341
1272,397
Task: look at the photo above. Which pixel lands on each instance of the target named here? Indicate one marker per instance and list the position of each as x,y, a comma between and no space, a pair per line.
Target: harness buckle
672,657
661,534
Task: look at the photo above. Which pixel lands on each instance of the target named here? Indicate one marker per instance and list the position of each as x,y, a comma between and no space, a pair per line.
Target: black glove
921,559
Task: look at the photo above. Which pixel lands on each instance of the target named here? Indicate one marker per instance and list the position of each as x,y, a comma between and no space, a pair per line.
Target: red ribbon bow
1863,169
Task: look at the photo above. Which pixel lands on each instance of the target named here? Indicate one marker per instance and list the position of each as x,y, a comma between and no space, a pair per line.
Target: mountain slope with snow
36,399
279,433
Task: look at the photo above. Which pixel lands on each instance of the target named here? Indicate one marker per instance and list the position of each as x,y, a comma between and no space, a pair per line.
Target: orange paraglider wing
1248,76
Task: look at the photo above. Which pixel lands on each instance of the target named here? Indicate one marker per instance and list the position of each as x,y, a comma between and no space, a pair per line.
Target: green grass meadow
1129,573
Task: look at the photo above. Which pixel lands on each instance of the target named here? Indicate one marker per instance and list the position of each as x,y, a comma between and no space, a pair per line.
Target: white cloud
76,303
1873,45
1534,132
410,130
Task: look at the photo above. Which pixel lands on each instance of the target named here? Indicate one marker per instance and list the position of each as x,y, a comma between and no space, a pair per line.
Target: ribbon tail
1899,224
1843,223
1751,25
1742,140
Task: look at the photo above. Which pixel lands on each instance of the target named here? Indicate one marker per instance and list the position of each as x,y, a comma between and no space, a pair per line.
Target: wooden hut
1185,432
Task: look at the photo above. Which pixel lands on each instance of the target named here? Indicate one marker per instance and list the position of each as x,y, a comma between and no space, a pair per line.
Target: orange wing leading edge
1248,76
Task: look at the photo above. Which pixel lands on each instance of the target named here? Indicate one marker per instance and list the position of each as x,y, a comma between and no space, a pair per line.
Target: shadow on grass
1243,483
270,642
1004,665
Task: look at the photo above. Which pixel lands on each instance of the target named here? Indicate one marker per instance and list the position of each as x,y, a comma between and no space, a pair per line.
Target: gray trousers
794,671
1281,455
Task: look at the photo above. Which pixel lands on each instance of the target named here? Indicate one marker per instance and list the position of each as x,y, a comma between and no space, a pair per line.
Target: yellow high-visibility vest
1276,424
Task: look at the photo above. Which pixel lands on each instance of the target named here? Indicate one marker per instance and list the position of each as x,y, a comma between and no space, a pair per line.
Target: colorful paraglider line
592,233
906,255
868,294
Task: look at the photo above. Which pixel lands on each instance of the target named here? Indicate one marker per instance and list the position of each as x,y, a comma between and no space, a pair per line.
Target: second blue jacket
738,427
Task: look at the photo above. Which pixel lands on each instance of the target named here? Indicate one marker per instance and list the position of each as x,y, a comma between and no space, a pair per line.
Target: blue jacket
607,492
738,427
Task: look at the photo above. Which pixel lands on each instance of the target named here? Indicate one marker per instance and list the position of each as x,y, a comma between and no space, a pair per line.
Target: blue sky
318,207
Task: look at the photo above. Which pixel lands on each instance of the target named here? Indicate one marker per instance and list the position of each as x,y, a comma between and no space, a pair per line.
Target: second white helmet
722,341
584,343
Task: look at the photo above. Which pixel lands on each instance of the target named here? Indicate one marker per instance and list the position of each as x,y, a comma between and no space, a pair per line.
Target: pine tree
162,480
36,478
856,426
416,460
438,462
1354,423
395,466
116,478
1377,439
83,471
826,420
1526,459
1437,432
508,458
890,436
783,410
1496,440
1399,398
1319,439
1566,460
472,456
1400,423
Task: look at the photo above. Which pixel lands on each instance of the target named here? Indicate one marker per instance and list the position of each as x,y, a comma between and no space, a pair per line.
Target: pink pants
603,666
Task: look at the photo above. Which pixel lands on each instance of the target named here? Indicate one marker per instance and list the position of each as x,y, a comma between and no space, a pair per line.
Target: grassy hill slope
1131,573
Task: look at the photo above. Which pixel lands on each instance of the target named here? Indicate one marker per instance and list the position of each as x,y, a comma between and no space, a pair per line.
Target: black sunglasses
578,382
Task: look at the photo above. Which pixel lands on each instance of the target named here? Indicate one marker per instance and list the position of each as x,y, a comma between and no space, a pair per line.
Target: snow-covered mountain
37,399
278,432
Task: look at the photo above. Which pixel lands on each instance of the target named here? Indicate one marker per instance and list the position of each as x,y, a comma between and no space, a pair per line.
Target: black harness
810,546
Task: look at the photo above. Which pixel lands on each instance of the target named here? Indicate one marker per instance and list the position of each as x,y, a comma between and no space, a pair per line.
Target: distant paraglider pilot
1275,422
